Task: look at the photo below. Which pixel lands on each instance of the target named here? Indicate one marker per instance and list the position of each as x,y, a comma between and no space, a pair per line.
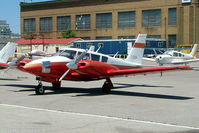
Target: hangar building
176,21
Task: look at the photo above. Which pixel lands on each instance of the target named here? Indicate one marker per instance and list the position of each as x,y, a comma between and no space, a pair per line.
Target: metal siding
112,47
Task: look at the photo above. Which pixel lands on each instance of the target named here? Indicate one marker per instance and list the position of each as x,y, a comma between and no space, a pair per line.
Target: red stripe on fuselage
138,45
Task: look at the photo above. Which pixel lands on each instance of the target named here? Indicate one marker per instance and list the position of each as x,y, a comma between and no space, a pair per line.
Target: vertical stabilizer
137,50
194,50
7,51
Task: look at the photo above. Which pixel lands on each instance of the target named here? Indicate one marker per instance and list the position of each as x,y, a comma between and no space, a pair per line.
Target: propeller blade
60,79
81,56
13,63
4,71
21,58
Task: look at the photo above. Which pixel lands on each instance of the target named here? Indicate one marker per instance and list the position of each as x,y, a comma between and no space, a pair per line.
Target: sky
10,11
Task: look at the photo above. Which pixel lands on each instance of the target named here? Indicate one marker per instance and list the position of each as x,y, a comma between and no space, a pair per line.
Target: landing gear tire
56,86
39,90
108,85
105,88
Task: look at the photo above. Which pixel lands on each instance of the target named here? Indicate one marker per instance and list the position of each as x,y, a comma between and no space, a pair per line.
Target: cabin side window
175,54
104,59
95,57
69,54
86,57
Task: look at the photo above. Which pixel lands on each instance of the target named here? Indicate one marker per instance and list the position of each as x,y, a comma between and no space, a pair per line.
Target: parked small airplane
84,65
175,57
7,52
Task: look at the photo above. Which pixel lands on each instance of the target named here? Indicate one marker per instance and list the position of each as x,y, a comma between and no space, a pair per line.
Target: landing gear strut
108,85
39,89
56,86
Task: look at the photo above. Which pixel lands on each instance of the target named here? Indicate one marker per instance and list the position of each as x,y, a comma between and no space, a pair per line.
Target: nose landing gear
39,89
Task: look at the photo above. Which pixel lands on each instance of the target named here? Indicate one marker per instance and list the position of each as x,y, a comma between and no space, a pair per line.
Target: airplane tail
137,51
7,51
194,50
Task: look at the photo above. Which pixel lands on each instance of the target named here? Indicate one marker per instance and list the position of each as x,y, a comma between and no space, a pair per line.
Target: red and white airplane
86,65
7,52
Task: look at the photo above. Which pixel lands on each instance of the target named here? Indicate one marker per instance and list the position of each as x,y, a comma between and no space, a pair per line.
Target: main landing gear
39,89
56,86
108,85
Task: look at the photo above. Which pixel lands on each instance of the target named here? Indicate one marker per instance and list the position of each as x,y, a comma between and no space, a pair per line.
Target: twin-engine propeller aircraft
86,65
175,57
7,52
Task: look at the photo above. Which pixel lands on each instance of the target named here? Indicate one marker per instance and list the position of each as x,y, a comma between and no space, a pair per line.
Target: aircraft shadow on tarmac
97,91
9,79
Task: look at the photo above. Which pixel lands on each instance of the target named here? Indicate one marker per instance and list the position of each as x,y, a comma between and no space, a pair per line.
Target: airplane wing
3,65
185,61
148,59
100,69
147,70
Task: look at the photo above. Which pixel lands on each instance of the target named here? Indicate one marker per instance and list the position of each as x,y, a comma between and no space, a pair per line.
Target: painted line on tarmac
101,116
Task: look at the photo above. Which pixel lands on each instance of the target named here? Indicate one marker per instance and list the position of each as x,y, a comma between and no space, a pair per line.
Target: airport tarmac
138,104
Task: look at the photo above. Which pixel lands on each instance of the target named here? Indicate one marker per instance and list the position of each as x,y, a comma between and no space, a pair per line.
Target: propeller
13,63
73,64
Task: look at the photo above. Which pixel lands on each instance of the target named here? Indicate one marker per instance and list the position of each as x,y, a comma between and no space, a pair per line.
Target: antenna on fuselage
98,49
116,54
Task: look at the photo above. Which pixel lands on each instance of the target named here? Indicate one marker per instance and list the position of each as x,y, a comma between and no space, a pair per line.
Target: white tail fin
194,50
7,51
137,51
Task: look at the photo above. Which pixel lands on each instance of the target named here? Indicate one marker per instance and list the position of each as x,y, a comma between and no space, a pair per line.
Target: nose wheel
39,89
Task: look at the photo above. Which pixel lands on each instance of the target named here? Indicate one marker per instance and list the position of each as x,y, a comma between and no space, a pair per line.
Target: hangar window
126,37
83,22
46,24
126,19
172,16
104,20
172,41
151,18
63,23
29,25
103,37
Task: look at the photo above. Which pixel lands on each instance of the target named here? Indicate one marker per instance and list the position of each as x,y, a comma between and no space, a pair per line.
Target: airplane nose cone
158,58
32,68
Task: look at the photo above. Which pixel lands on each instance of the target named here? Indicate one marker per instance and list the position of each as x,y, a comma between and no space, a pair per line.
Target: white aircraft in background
7,52
175,57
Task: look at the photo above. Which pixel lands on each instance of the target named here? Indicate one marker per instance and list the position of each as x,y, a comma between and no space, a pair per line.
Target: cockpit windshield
71,54
168,53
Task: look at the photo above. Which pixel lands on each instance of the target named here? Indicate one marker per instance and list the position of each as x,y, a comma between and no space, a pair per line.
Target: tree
68,34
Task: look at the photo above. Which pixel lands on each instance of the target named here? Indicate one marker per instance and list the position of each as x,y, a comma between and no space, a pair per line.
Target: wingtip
184,68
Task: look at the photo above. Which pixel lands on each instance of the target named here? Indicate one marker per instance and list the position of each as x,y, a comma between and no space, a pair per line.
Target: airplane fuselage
173,57
52,68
